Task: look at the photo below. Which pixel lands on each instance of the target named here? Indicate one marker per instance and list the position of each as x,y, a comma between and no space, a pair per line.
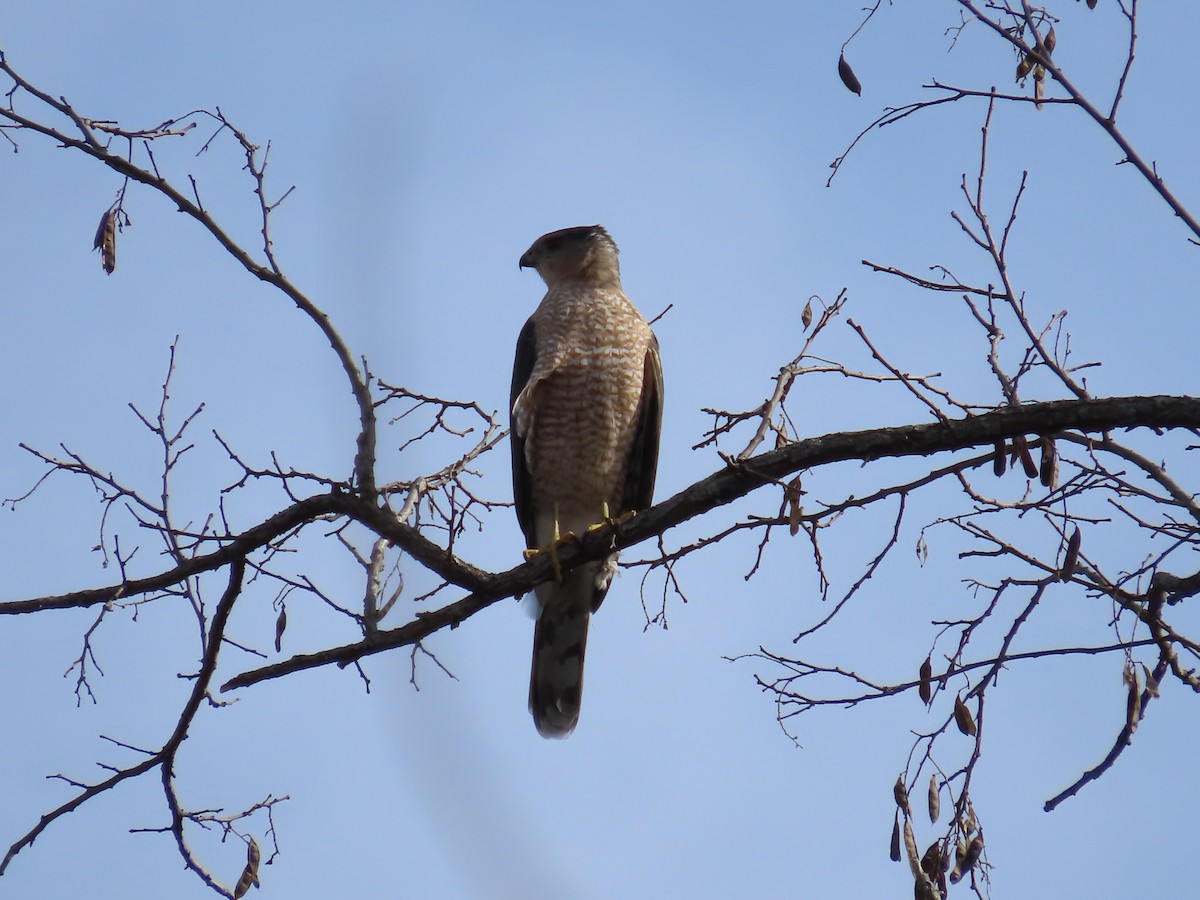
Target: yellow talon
556,541
607,519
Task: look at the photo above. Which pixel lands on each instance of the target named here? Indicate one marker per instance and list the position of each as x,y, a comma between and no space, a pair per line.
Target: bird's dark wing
643,455
522,483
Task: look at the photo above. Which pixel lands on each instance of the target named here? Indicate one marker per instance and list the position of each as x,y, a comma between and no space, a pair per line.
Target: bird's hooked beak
526,261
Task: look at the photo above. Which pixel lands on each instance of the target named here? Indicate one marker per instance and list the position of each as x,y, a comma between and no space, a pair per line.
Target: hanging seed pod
280,625
1048,472
1021,449
791,496
250,873
106,240
925,687
910,848
806,315
923,889
894,850
1000,459
1071,557
931,862
967,857
963,718
1133,705
935,799
1050,42
1151,682
1024,65
900,792
1039,85
849,79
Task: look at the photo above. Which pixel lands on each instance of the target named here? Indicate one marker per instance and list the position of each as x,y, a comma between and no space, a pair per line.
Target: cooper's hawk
586,408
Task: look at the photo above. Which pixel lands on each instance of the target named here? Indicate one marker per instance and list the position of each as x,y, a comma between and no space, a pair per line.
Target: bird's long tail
559,642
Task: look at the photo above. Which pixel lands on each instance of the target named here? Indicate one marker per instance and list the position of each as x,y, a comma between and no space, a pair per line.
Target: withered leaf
849,79
963,718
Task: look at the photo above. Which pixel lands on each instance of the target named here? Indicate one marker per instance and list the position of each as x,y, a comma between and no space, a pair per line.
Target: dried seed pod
935,799
106,240
1024,65
1039,85
1021,449
791,496
900,792
1151,682
1048,472
910,848
849,79
806,315
280,625
1050,41
1072,555
963,718
925,687
894,851
1133,705
1091,4
923,889
931,862
250,873
999,461
967,857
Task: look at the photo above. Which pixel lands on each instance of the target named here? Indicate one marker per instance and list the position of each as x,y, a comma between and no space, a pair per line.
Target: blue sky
429,145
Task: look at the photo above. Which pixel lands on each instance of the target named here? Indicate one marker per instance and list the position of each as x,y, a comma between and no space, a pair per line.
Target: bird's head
584,253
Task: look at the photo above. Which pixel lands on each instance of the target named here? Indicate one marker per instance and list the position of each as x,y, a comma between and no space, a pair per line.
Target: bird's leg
607,519
556,540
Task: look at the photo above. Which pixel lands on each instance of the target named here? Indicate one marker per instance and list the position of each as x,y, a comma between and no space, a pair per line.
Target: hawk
586,408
